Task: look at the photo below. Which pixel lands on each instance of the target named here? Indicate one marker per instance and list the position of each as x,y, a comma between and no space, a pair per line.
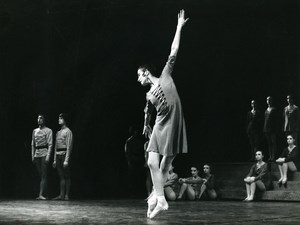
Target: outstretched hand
181,20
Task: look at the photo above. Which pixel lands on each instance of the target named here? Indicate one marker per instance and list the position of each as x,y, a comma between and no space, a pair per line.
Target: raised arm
176,41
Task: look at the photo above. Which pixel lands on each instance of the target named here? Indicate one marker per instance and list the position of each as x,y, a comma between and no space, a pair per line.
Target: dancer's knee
153,165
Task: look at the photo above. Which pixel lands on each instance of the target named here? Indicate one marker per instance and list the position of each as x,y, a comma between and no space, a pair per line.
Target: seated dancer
257,178
63,149
190,186
171,185
287,160
207,189
168,137
41,146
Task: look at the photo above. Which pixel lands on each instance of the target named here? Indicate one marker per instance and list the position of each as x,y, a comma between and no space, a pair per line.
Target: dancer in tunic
41,146
168,137
63,149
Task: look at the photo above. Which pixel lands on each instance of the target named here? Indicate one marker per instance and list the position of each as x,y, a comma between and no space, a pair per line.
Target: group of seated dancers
190,188
258,178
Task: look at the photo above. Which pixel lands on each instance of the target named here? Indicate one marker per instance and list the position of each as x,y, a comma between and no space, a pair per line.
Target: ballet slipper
152,201
284,181
158,209
246,199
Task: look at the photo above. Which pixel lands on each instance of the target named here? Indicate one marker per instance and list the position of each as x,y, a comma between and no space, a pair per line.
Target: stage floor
134,212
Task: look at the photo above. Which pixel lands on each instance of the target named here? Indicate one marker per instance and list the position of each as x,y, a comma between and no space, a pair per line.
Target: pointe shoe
284,182
280,181
246,199
158,209
152,201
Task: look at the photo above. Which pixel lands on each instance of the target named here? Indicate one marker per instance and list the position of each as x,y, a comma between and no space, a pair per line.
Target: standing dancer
254,125
270,125
63,149
291,115
41,146
168,137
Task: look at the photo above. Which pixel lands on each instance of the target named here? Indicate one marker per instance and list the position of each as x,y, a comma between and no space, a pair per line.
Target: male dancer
41,146
63,149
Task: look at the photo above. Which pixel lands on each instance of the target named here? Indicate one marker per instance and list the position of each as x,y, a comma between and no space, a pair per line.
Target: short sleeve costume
42,142
169,133
64,143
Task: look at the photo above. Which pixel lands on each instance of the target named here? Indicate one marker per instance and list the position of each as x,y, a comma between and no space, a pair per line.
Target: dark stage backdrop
81,57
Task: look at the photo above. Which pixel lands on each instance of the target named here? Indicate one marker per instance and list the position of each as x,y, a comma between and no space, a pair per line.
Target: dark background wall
81,56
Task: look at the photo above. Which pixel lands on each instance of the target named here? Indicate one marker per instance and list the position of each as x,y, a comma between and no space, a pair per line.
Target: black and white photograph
149,112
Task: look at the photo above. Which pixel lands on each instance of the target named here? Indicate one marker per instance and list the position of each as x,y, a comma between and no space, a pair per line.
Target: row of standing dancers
41,150
269,124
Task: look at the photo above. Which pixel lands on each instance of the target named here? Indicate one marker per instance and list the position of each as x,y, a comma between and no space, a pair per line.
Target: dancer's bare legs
41,165
159,171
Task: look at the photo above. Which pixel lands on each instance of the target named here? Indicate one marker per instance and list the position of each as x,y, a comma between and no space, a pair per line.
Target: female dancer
258,177
171,186
287,160
254,124
208,186
270,125
291,116
191,185
168,137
